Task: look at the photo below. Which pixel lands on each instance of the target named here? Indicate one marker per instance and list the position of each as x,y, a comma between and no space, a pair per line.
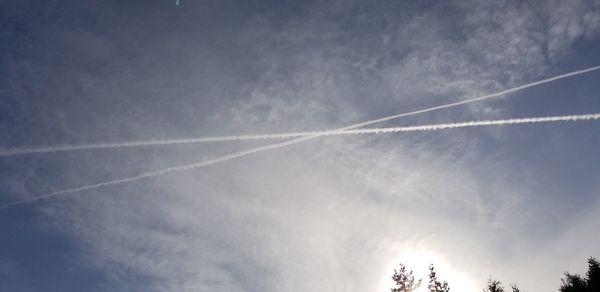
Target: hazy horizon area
148,145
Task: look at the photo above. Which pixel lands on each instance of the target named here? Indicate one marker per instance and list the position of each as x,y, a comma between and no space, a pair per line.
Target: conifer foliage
434,284
496,286
577,283
405,281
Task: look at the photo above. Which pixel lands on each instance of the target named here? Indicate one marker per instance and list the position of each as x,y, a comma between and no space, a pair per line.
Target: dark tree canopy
496,286
435,285
577,283
514,288
405,281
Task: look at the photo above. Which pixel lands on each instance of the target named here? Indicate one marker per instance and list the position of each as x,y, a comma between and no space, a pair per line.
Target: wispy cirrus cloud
328,215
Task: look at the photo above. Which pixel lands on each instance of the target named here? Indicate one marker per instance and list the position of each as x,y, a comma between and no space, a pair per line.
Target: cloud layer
324,215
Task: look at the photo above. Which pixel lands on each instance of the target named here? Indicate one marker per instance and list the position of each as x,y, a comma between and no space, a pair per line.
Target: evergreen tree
514,288
435,285
572,283
593,275
405,281
577,283
494,286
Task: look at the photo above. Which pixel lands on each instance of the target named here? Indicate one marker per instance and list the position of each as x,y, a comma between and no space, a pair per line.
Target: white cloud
329,215
326,215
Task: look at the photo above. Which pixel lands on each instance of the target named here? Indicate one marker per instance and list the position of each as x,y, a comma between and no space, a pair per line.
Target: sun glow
418,260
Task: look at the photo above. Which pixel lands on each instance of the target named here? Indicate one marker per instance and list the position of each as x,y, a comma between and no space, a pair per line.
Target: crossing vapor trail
435,127
62,148
309,135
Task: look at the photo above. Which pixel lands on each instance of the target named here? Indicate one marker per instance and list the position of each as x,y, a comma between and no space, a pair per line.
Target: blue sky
520,203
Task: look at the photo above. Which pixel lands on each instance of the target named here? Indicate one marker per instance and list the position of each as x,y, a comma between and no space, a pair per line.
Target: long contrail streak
434,127
309,135
61,148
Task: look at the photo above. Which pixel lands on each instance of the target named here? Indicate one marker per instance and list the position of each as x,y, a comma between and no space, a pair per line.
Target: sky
519,203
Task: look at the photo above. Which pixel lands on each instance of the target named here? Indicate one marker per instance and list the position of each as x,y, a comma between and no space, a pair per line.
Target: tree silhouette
494,286
514,288
593,275
435,285
577,283
572,283
404,280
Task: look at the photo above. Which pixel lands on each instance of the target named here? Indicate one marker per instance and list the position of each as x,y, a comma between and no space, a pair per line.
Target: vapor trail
434,127
156,173
60,148
309,135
